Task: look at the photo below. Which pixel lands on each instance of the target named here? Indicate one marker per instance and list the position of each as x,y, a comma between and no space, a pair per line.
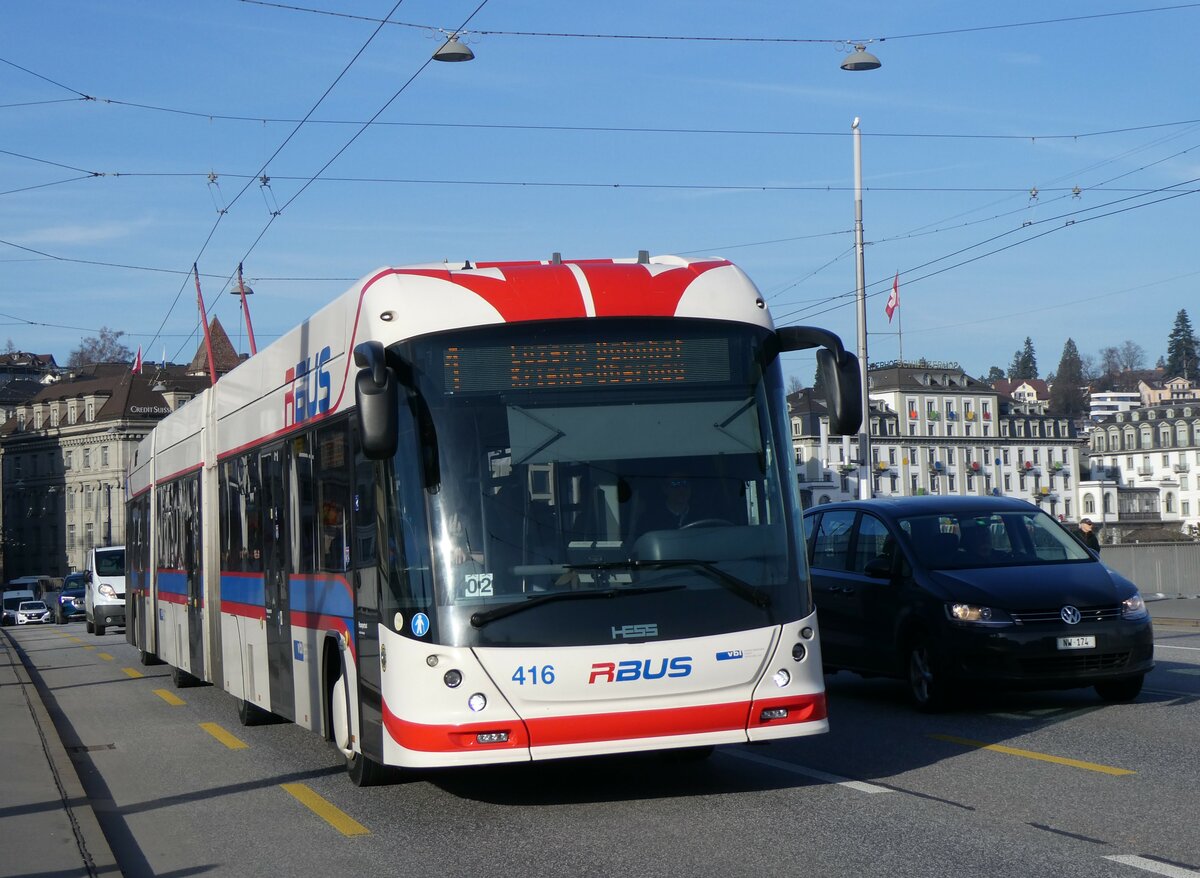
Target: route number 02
533,675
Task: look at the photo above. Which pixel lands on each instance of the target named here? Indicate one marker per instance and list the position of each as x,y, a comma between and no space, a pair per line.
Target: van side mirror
839,371
377,396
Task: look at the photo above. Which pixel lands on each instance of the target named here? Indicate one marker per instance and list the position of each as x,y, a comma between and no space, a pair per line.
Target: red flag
137,364
893,301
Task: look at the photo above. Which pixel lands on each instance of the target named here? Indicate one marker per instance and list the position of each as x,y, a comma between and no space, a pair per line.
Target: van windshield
951,541
110,562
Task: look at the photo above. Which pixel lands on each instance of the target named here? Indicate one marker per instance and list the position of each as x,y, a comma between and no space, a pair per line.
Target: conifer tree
1066,395
1182,347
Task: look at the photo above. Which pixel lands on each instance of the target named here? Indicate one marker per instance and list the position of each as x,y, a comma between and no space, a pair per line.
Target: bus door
195,577
275,580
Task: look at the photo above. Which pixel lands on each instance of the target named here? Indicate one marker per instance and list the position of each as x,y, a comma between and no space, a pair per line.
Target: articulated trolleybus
488,513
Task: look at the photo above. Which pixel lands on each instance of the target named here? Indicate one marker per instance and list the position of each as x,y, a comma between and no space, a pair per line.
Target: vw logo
1070,615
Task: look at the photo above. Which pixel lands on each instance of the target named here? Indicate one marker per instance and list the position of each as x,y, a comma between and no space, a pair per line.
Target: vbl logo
623,672
308,391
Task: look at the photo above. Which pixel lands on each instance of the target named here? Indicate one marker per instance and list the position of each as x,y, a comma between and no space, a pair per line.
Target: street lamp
864,431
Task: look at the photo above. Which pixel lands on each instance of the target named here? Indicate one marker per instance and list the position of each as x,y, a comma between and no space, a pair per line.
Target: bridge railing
1169,569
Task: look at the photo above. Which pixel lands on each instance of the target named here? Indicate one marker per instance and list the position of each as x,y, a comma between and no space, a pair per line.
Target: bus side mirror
839,371
377,395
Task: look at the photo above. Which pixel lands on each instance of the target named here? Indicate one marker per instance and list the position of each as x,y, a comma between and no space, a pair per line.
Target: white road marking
815,774
1154,866
1165,646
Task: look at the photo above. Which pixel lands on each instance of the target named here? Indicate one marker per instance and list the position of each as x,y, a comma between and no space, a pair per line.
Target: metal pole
864,432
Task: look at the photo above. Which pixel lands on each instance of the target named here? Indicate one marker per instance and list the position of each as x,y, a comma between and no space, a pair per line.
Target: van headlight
106,590
1134,607
973,614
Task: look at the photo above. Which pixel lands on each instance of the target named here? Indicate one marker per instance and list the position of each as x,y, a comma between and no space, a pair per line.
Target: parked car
12,600
32,612
951,593
104,595
70,604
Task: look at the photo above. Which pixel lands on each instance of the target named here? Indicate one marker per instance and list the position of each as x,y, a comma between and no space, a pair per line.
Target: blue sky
565,134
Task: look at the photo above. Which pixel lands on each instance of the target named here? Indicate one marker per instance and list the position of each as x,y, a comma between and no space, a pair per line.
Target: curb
97,857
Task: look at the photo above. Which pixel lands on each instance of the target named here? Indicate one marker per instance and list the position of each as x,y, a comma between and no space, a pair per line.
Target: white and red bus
488,513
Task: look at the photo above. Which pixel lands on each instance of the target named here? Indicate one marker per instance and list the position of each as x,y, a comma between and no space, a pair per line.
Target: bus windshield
594,481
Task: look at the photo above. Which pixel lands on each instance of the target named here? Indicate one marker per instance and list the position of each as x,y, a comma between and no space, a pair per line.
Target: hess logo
308,389
649,669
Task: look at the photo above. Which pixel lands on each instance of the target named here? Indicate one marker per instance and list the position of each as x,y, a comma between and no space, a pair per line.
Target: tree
995,374
819,383
1066,394
1088,368
104,348
793,385
1110,360
1024,363
1181,348
1133,356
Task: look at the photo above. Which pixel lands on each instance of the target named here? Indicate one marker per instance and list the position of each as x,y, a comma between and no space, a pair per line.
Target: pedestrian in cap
1087,532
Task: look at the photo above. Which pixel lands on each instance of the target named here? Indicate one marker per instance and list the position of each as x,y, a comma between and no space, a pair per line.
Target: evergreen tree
995,374
1024,363
1066,394
1182,347
819,383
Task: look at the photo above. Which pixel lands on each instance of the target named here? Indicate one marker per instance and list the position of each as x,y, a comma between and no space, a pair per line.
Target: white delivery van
104,594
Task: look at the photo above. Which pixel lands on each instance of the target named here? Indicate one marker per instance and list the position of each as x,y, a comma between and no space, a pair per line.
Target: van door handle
847,589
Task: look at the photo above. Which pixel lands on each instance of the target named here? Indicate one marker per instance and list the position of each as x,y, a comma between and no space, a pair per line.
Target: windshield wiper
478,620
750,593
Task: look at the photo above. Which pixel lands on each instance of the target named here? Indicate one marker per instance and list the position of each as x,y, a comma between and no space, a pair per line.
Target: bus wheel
251,714
182,679
363,770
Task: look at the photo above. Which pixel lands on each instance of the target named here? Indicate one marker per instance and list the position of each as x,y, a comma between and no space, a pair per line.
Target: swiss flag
893,301
137,363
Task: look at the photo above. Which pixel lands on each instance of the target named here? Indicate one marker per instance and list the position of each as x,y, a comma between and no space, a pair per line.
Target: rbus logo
623,672
308,392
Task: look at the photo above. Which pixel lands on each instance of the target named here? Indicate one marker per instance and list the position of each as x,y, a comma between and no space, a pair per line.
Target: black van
949,593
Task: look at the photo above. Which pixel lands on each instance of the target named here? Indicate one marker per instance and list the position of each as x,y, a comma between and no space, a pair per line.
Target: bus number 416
534,674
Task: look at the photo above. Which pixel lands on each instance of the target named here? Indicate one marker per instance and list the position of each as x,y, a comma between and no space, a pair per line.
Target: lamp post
864,431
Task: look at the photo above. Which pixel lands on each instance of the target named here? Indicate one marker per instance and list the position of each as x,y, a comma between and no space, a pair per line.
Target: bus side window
333,494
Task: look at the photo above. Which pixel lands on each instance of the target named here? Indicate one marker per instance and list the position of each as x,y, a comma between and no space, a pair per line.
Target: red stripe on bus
172,597
249,611
321,622
600,727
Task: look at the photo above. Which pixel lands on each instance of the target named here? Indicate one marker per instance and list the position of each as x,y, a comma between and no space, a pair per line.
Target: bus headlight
799,652
782,678
452,678
477,702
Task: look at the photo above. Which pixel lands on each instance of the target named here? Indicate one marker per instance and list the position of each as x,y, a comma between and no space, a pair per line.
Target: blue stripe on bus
243,590
328,597
172,582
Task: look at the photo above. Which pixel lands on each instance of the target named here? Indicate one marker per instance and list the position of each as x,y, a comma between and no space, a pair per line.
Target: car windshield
952,541
32,606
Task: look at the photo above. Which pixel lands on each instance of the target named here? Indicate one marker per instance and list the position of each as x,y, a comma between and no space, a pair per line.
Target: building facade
1145,466
936,430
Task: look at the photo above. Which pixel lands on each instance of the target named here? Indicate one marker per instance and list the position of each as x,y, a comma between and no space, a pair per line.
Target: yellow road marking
105,656
170,697
74,639
1033,754
132,672
90,648
331,814
233,743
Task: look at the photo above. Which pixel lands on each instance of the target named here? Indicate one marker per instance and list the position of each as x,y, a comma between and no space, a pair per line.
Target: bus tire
148,658
182,679
251,714
362,770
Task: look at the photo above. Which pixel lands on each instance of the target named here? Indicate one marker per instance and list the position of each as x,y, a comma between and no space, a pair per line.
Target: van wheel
99,630
928,687
1115,691
87,623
